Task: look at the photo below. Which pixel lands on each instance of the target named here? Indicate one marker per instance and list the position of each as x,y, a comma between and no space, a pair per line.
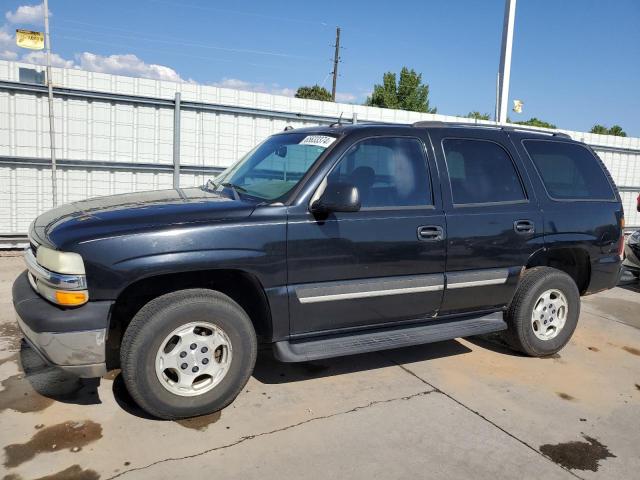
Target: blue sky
575,62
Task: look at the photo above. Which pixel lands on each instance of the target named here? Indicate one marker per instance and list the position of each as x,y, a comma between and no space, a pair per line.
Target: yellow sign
30,39
517,106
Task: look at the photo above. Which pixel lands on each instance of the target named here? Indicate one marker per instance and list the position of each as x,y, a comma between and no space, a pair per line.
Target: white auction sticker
318,140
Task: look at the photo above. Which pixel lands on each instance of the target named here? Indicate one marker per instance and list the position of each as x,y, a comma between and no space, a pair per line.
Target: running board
382,339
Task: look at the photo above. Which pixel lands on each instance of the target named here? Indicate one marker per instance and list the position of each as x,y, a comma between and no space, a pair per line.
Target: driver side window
387,171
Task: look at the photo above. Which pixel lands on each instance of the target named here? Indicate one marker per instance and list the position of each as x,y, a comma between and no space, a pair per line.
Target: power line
247,14
182,54
175,41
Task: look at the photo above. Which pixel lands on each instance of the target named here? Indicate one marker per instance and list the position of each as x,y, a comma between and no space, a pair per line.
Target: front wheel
543,313
188,353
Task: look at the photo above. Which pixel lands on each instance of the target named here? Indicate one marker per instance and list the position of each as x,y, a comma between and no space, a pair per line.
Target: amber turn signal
71,299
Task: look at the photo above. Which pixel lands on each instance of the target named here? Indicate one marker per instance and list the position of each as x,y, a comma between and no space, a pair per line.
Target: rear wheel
543,313
188,353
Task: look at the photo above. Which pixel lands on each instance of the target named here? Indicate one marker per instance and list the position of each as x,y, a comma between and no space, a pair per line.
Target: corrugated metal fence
116,134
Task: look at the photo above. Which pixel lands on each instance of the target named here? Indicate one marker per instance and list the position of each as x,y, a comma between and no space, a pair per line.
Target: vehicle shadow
61,386
54,383
269,370
494,343
126,402
629,282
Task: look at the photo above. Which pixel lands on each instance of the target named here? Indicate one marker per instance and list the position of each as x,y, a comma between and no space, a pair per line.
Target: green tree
617,131
601,129
316,92
614,130
478,116
409,93
536,122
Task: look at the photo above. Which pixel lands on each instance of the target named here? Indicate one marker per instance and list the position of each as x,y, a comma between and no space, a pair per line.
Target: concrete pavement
464,408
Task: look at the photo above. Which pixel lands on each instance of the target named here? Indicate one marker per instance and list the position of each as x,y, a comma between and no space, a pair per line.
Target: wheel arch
241,286
574,261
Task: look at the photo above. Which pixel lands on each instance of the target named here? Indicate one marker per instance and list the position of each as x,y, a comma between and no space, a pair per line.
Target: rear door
383,264
493,220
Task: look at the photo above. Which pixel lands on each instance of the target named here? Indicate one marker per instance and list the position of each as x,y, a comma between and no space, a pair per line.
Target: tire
522,335
149,385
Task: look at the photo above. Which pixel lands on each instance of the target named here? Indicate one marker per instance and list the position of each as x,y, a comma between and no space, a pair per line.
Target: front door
380,265
494,222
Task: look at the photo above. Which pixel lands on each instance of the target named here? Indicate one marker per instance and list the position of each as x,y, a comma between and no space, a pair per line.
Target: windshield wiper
235,189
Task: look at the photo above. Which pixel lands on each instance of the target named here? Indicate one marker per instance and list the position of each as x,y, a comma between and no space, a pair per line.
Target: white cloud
127,64
40,58
274,89
345,97
6,39
31,14
7,45
238,84
8,55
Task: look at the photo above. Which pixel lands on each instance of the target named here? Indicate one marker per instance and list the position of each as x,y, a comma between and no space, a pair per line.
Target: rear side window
481,172
569,171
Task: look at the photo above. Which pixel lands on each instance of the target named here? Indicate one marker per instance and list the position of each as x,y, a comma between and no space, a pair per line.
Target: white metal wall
112,131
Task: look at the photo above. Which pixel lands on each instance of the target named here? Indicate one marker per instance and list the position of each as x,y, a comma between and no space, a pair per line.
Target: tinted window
481,172
388,172
569,171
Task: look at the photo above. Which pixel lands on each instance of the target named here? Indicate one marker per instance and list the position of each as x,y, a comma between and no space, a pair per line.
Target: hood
134,212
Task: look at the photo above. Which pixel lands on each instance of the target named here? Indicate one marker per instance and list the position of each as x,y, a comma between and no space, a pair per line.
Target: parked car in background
632,254
322,242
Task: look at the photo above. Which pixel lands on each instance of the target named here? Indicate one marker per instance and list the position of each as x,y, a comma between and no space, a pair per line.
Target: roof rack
506,128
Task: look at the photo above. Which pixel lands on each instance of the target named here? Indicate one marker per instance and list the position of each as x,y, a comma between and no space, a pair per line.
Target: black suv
322,242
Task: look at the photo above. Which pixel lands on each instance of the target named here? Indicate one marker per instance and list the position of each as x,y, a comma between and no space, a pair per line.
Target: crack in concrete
475,412
277,430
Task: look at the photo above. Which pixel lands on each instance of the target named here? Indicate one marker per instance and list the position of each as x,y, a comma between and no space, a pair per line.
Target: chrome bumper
81,353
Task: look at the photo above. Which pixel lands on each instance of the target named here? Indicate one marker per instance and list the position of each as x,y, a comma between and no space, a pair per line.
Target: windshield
275,166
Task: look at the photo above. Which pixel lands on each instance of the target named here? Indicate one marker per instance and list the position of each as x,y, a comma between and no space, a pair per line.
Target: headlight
58,276
60,262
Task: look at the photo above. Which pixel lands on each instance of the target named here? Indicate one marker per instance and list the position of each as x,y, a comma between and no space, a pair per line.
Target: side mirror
337,197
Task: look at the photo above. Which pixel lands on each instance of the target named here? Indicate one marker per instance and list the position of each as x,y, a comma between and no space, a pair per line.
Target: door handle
430,233
524,226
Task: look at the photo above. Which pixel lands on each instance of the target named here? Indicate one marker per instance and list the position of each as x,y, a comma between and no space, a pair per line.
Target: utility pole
497,109
52,131
336,60
505,59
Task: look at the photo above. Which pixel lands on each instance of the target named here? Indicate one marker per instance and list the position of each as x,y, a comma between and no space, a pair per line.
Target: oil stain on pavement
578,455
565,396
70,434
18,394
74,472
200,423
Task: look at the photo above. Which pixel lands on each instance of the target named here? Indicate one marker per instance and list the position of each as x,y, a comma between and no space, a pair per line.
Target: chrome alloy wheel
549,314
193,359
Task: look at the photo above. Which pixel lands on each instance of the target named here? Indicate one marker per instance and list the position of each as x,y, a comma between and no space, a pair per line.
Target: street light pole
52,132
505,59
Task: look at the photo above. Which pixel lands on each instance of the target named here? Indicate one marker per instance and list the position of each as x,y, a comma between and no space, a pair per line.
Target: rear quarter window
569,171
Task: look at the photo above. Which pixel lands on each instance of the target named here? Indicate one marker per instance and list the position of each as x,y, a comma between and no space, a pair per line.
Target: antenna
339,122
